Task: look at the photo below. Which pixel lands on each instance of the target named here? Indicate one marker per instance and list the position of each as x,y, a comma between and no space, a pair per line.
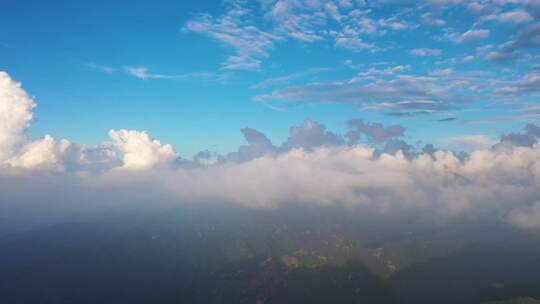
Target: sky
429,107
194,73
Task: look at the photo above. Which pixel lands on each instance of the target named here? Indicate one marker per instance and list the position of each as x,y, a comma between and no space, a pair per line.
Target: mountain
222,254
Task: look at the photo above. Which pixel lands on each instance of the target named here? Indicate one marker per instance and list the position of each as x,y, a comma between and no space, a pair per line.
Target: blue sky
194,73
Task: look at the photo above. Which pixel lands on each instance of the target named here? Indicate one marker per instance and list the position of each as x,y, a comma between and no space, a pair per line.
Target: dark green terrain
217,254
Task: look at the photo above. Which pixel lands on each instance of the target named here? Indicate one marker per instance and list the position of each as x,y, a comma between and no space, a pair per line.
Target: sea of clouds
314,167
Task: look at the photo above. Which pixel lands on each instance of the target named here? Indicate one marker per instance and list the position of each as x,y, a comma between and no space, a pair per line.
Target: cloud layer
313,166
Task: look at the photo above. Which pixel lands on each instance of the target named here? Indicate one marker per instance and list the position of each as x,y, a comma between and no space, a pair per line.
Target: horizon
208,71
270,151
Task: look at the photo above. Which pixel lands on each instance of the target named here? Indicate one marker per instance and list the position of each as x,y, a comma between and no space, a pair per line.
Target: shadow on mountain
351,283
213,254
484,272
81,264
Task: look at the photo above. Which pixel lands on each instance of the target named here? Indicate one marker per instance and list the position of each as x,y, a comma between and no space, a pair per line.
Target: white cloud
445,2
235,30
431,19
42,153
270,82
500,182
15,115
252,31
143,73
469,142
473,35
442,72
402,94
140,151
19,151
426,52
517,16
345,24
312,167
375,132
381,72
16,149
530,83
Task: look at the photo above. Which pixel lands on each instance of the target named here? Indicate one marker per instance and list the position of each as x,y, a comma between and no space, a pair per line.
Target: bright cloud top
15,115
18,150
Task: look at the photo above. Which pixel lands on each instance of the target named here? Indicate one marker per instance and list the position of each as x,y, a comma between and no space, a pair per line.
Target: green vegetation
209,254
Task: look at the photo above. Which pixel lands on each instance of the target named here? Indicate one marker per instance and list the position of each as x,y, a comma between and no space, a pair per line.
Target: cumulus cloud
258,145
527,138
16,148
397,146
15,115
375,132
19,151
140,151
45,152
310,135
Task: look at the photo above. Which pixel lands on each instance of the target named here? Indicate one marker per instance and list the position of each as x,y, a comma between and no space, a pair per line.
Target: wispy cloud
530,83
473,35
270,82
400,94
527,38
236,31
373,72
143,73
303,21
